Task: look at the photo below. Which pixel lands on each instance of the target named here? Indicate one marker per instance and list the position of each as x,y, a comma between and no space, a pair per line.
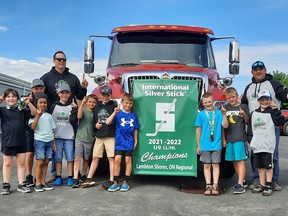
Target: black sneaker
5,189
76,183
30,181
47,187
23,188
106,185
83,178
38,188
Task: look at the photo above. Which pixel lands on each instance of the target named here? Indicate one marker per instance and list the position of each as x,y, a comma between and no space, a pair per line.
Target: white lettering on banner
166,118
149,156
166,87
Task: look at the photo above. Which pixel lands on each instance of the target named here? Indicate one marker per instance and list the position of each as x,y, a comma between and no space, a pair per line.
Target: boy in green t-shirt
85,137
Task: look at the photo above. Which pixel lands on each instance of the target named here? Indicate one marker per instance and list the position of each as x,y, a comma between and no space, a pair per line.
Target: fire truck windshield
130,49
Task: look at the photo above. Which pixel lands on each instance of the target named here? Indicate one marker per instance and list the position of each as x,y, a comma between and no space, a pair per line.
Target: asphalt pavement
149,195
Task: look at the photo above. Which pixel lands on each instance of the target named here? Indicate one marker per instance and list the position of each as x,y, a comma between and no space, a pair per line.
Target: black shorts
263,160
30,141
13,151
123,152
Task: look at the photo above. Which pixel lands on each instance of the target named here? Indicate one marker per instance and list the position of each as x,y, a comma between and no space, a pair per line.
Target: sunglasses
258,64
61,59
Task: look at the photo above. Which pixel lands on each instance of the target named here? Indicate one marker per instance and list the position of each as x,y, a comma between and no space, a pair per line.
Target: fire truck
170,52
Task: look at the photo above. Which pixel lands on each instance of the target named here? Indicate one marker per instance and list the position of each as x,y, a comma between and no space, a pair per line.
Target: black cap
106,90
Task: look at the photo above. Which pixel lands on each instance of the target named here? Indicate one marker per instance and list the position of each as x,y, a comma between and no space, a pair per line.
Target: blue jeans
276,169
67,146
43,150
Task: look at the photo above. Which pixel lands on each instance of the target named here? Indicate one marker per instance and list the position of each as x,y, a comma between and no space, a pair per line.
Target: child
85,137
64,115
105,137
37,87
235,136
209,124
43,126
127,126
261,134
13,121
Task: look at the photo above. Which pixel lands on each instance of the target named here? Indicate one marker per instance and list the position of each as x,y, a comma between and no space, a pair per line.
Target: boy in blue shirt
209,123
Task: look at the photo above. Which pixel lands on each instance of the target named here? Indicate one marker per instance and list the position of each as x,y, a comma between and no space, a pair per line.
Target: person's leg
111,168
20,161
93,167
276,165
117,165
255,177
7,167
29,159
261,172
216,174
38,172
44,170
241,170
76,166
128,161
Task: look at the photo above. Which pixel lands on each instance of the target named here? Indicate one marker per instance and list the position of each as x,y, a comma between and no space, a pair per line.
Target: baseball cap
37,82
106,90
40,95
64,87
258,64
264,93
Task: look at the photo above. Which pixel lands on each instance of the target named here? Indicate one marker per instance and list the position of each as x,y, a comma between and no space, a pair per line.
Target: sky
32,31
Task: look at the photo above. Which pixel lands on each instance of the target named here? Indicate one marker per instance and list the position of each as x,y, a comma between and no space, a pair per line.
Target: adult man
263,81
60,75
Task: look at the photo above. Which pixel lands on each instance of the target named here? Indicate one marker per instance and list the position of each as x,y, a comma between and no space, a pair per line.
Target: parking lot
150,195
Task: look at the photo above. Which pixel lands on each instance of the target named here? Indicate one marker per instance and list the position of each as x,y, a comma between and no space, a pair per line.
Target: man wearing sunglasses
57,76
263,81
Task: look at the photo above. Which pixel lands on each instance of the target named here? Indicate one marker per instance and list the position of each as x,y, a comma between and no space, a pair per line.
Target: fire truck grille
147,77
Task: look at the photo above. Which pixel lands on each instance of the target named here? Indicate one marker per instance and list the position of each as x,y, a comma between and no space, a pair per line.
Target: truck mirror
234,68
234,52
89,51
88,67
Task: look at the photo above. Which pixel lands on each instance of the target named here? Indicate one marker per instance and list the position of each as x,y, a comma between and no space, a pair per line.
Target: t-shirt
126,124
203,123
13,123
44,129
236,131
85,131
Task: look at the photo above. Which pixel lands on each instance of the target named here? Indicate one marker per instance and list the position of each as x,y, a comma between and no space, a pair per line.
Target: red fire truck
164,52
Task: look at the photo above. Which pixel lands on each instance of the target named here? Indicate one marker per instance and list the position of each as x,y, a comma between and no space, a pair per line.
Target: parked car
285,126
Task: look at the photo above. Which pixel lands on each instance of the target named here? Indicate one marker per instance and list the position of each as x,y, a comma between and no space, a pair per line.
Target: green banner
167,112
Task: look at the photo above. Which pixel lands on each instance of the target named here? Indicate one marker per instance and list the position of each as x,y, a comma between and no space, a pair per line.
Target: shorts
124,152
67,146
263,160
210,157
30,141
83,149
235,151
13,151
106,142
43,150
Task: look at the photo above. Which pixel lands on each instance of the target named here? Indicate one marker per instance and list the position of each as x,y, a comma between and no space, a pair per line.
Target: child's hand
73,104
26,100
273,105
54,146
84,83
39,113
117,109
98,125
224,143
1,98
85,99
198,151
223,110
242,113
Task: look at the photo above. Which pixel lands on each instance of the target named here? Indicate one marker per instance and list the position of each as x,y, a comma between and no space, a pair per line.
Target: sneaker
252,186
52,179
30,181
267,191
245,184
239,189
38,188
124,187
23,188
258,189
88,183
276,187
83,178
76,183
47,187
114,187
58,181
69,181
106,185
5,189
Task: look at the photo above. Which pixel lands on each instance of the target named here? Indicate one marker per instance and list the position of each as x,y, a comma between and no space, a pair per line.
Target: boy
209,123
127,127
85,137
261,134
37,87
235,136
65,116
105,137
43,126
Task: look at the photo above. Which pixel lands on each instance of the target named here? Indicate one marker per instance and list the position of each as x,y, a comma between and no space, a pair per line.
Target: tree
282,78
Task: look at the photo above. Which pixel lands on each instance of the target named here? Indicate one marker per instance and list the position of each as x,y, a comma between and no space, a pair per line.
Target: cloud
3,29
273,55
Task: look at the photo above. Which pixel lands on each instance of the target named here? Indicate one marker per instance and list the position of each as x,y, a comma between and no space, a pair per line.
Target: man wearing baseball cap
263,81
262,138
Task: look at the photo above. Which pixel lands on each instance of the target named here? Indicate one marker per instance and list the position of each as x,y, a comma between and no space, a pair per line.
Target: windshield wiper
124,64
160,61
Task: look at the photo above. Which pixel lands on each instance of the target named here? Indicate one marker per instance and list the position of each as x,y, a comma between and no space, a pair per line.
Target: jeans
43,150
67,146
276,169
